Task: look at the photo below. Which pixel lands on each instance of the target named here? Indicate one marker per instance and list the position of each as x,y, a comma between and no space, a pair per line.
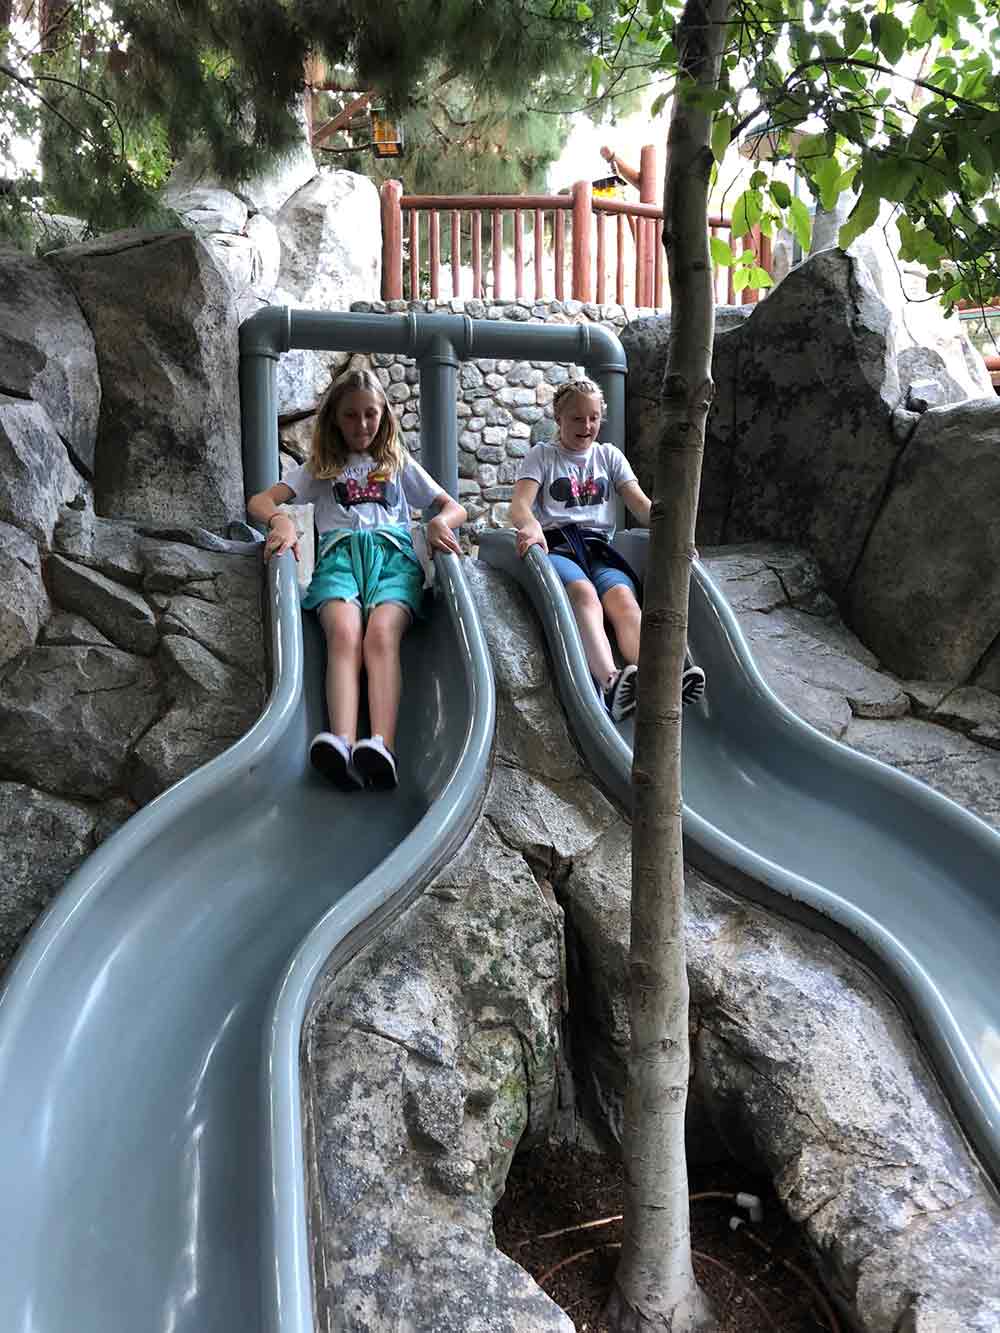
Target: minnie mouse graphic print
577,487
364,495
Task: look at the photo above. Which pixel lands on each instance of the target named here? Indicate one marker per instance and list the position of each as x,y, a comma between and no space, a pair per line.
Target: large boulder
165,329
799,443
70,715
926,594
211,706
25,605
800,434
331,241
647,343
47,351
36,475
42,839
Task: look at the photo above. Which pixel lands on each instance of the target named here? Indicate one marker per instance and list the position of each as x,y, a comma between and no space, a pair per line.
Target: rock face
36,475
43,839
47,351
801,422
926,595
26,604
147,664
331,241
165,329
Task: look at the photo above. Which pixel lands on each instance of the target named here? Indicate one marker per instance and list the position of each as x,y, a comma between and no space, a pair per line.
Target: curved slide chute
132,1019
899,874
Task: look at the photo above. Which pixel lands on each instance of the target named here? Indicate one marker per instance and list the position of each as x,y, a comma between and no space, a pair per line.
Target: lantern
387,134
608,187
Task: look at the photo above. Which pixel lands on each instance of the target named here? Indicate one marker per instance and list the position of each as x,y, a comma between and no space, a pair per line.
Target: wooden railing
613,248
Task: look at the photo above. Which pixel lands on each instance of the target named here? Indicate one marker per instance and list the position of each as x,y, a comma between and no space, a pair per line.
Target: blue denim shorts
605,577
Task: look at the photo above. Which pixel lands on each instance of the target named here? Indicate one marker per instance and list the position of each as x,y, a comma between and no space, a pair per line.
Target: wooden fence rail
614,248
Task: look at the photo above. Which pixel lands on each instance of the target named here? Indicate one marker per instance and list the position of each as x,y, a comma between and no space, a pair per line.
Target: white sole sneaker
331,756
376,764
619,697
692,685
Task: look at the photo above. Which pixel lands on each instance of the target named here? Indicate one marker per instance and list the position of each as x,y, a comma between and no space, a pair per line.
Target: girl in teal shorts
368,582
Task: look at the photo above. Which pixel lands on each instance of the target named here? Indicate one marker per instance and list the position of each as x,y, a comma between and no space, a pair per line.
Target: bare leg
590,618
386,626
341,623
623,611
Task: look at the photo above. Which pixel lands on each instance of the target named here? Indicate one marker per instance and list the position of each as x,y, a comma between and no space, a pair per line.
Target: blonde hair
582,386
329,454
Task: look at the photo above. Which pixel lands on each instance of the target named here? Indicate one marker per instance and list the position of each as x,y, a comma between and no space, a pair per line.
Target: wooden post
518,253
648,230
582,213
539,238
414,254
435,258
456,253
392,241
620,262
601,258
497,255
559,245
477,256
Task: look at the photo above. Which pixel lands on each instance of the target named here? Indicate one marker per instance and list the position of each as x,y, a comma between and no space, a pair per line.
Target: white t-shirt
577,487
364,495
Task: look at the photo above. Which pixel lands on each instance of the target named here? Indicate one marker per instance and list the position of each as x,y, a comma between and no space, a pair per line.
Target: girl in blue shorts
564,502
368,582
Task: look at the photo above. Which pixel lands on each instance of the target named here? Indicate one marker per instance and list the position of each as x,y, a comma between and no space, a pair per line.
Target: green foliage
897,105
119,92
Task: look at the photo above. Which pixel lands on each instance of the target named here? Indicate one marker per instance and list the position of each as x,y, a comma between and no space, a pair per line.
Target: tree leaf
889,35
722,133
741,279
746,213
780,193
801,222
863,215
827,177
854,32
584,12
721,253
760,278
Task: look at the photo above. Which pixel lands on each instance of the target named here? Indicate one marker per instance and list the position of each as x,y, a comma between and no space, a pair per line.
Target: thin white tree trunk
655,1287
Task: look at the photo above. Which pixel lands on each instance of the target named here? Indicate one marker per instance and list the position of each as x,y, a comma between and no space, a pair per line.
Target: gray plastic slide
901,875
133,1019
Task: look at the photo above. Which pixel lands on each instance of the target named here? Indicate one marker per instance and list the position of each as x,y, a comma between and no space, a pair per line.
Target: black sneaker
331,756
692,684
619,696
376,764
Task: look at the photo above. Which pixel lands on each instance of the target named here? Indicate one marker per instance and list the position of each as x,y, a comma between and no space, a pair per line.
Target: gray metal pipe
438,412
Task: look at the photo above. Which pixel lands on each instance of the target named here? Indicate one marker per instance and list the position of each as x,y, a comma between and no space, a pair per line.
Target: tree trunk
655,1286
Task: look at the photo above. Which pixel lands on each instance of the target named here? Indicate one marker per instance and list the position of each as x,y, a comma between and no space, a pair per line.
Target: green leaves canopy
897,105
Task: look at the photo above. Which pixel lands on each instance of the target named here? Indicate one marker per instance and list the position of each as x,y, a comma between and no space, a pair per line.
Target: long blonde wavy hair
329,454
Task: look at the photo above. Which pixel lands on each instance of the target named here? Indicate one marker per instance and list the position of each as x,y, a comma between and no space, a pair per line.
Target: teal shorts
368,569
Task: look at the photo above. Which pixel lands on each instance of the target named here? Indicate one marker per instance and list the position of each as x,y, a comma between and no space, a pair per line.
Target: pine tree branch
31,85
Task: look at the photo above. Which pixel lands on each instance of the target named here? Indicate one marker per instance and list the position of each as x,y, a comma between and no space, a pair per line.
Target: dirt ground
753,1291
